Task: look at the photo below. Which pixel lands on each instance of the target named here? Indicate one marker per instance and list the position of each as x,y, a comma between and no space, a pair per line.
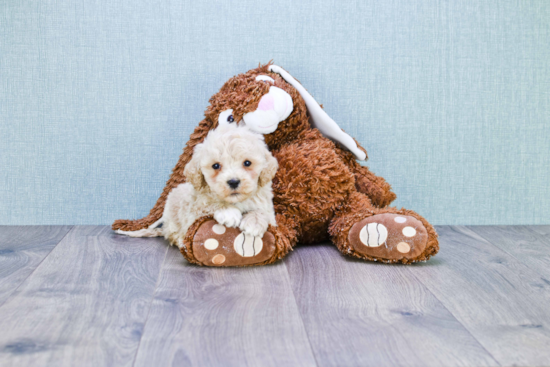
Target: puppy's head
232,162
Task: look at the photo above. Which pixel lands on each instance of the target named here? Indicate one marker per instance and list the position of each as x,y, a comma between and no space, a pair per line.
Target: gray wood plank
85,305
500,300
223,317
22,248
543,231
522,242
369,314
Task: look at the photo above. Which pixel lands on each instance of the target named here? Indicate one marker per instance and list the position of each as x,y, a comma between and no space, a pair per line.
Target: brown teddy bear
320,191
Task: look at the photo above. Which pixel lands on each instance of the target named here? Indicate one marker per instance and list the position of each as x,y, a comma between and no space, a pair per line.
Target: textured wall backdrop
450,98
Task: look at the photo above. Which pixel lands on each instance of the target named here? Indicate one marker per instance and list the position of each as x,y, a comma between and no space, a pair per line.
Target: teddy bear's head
262,100
271,102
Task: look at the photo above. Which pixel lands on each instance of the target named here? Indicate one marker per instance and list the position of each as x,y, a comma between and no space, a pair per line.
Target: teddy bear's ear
319,117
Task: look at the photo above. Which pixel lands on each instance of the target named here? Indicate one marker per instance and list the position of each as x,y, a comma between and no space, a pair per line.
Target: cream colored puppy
229,176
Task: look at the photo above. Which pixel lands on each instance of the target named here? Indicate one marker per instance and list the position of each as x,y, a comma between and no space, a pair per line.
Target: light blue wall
450,98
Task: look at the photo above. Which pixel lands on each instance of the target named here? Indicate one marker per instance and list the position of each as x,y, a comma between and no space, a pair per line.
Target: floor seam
37,266
451,313
539,237
150,305
300,314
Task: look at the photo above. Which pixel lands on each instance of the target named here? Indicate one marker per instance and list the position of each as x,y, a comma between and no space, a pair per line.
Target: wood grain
22,248
223,317
500,300
524,243
91,300
543,231
85,305
368,314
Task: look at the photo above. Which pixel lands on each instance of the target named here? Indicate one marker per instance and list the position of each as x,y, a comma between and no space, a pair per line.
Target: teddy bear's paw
217,245
389,237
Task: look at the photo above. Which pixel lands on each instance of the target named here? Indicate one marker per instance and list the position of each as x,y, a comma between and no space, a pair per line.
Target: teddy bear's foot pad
217,245
388,236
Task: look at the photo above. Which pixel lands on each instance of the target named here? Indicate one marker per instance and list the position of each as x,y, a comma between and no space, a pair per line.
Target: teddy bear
321,192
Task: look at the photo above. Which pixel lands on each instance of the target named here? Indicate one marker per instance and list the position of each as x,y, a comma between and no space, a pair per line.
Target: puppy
229,177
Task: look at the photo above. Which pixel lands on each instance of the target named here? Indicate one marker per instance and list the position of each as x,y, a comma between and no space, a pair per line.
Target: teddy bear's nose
233,183
267,102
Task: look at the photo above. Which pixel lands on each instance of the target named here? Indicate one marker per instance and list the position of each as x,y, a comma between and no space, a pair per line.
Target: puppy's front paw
230,217
254,224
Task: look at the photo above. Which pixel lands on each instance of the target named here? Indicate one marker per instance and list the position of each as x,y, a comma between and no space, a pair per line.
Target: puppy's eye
230,118
247,163
216,166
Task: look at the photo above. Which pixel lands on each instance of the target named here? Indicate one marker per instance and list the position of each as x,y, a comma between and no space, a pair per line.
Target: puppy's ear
193,173
269,170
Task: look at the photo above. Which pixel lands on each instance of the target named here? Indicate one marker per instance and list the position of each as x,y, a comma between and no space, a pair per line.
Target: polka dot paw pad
389,236
217,245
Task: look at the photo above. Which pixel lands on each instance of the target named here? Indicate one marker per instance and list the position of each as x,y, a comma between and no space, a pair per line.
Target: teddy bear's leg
382,234
376,188
211,244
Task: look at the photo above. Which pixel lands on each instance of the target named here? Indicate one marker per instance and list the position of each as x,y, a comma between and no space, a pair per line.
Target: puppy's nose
233,183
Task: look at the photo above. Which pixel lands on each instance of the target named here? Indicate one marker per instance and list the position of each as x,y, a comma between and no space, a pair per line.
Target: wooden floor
84,296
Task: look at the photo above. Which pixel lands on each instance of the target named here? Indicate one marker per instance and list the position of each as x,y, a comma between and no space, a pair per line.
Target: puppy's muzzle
233,183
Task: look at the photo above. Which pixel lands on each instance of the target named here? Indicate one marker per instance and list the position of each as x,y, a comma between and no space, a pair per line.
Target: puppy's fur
217,164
